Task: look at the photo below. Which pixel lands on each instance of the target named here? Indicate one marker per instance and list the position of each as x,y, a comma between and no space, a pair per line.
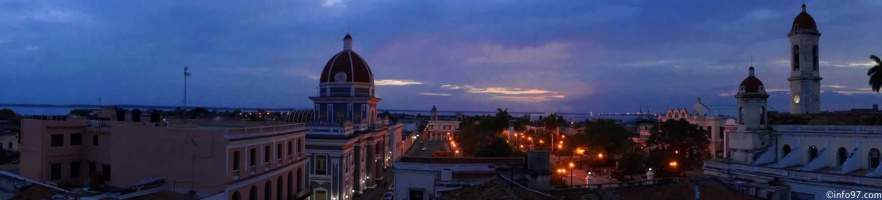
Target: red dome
751,83
346,67
804,21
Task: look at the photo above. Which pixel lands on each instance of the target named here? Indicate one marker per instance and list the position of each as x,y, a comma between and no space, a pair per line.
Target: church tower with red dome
805,78
752,135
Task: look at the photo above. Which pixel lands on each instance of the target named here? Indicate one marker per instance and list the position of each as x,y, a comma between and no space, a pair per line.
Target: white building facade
774,161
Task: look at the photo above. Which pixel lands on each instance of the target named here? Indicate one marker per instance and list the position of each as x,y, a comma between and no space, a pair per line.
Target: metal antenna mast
186,75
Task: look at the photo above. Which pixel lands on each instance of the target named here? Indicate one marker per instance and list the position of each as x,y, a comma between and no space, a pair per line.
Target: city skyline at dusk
528,56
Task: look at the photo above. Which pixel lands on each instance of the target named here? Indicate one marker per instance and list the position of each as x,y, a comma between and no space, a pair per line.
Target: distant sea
533,115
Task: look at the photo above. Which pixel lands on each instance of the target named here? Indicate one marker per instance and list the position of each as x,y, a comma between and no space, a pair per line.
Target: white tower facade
805,79
752,134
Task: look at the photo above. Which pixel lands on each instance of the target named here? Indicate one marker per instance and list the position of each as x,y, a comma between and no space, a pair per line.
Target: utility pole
186,75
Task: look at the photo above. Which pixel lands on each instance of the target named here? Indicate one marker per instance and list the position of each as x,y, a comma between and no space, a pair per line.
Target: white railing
853,129
723,166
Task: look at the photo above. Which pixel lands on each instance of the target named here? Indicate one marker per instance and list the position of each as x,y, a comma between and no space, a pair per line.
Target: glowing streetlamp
600,155
581,152
673,164
571,173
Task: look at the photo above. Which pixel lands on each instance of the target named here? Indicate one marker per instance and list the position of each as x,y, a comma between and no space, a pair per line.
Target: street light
673,164
571,173
600,155
580,151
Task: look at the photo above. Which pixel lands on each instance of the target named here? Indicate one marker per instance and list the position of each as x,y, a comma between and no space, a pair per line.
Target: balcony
266,165
236,175
252,169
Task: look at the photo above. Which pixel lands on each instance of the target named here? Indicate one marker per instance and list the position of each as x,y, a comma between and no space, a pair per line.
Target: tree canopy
7,114
603,136
682,138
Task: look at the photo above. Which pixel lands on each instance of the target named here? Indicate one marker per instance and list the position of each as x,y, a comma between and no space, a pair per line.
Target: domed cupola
804,23
346,67
751,85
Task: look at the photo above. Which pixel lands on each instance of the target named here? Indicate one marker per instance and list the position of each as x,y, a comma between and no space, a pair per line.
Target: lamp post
581,152
571,173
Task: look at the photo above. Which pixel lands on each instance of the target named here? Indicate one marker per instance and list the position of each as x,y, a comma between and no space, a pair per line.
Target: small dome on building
299,116
751,83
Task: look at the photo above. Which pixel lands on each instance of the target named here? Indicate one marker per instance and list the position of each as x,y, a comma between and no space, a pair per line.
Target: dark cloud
597,55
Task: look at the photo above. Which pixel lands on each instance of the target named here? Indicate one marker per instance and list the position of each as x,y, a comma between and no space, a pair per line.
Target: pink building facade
213,162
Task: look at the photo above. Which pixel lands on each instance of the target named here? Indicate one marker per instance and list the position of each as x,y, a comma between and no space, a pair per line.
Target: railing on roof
845,129
263,130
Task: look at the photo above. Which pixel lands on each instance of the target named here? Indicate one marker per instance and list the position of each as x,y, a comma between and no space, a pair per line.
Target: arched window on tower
763,116
795,58
740,115
841,155
815,58
873,158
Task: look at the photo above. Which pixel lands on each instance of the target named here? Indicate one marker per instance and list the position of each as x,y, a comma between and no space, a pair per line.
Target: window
874,158
235,160
813,152
740,115
76,139
74,169
321,195
416,193
321,165
55,171
279,151
266,154
237,196
795,58
841,156
252,193
106,170
289,148
57,140
299,145
252,157
267,191
92,168
763,115
10,145
785,150
94,140
815,57
721,133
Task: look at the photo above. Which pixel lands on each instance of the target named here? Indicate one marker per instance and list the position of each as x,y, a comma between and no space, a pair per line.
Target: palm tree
875,74
502,119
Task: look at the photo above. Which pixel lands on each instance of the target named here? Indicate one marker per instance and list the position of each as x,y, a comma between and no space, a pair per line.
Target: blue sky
572,56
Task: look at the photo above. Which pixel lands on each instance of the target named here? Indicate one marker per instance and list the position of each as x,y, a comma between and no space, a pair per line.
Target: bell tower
752,134
805,79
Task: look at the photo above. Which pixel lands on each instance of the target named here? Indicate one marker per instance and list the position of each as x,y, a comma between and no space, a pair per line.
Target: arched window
874,158
291,185
815,57
252,194
841,155
813,152
785,150
763,116
279,188
268,191
236,196
740,115
795,58
299,179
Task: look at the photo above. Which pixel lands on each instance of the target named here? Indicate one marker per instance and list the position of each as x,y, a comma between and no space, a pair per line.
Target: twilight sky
574,56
